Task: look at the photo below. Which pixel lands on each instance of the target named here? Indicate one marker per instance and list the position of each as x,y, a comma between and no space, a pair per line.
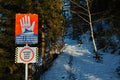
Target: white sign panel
26,55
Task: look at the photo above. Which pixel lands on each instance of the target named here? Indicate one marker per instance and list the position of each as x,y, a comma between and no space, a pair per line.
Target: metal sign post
26,55
26,71
26,68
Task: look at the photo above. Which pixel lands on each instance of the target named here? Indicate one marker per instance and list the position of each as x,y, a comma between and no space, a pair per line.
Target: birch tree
85,14
91,25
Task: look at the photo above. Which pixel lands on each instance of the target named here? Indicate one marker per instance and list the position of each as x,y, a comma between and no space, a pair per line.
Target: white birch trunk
91,26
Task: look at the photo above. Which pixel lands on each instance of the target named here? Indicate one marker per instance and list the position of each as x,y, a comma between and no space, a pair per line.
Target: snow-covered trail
77,63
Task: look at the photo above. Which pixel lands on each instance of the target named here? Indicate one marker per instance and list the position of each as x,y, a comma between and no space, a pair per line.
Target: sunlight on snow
92,77
68,68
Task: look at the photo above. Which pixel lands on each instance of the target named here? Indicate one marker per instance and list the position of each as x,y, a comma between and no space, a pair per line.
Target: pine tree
50,17
51,26
8,9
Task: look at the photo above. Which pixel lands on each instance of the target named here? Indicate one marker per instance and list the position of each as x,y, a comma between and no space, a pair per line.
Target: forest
55,17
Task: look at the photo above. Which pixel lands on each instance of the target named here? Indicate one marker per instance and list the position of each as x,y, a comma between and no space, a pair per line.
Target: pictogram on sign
26,55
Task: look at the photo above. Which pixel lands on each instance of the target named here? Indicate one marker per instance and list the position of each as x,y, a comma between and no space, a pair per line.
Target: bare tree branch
80,16
103,18
83,13
78,5
98,13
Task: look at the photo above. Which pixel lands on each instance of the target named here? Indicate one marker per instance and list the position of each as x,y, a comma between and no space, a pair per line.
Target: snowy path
77,63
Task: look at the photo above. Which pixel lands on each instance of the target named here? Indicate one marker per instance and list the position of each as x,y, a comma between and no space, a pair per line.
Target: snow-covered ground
77,63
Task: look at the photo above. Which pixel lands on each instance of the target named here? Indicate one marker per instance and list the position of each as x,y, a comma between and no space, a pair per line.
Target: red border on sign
30,58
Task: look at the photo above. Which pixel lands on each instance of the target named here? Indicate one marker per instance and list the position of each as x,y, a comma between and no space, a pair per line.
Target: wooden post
43,47
30,72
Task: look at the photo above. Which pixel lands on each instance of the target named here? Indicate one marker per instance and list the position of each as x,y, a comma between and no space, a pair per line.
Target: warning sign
26,29
26,55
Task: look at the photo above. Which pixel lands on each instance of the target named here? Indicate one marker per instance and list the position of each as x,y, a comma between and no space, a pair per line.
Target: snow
77,63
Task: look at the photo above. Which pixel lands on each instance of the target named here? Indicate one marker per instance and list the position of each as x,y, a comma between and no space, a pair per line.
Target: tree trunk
43,48
91,26
30,71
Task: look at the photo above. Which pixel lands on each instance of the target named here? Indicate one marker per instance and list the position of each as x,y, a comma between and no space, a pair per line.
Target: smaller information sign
26,54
